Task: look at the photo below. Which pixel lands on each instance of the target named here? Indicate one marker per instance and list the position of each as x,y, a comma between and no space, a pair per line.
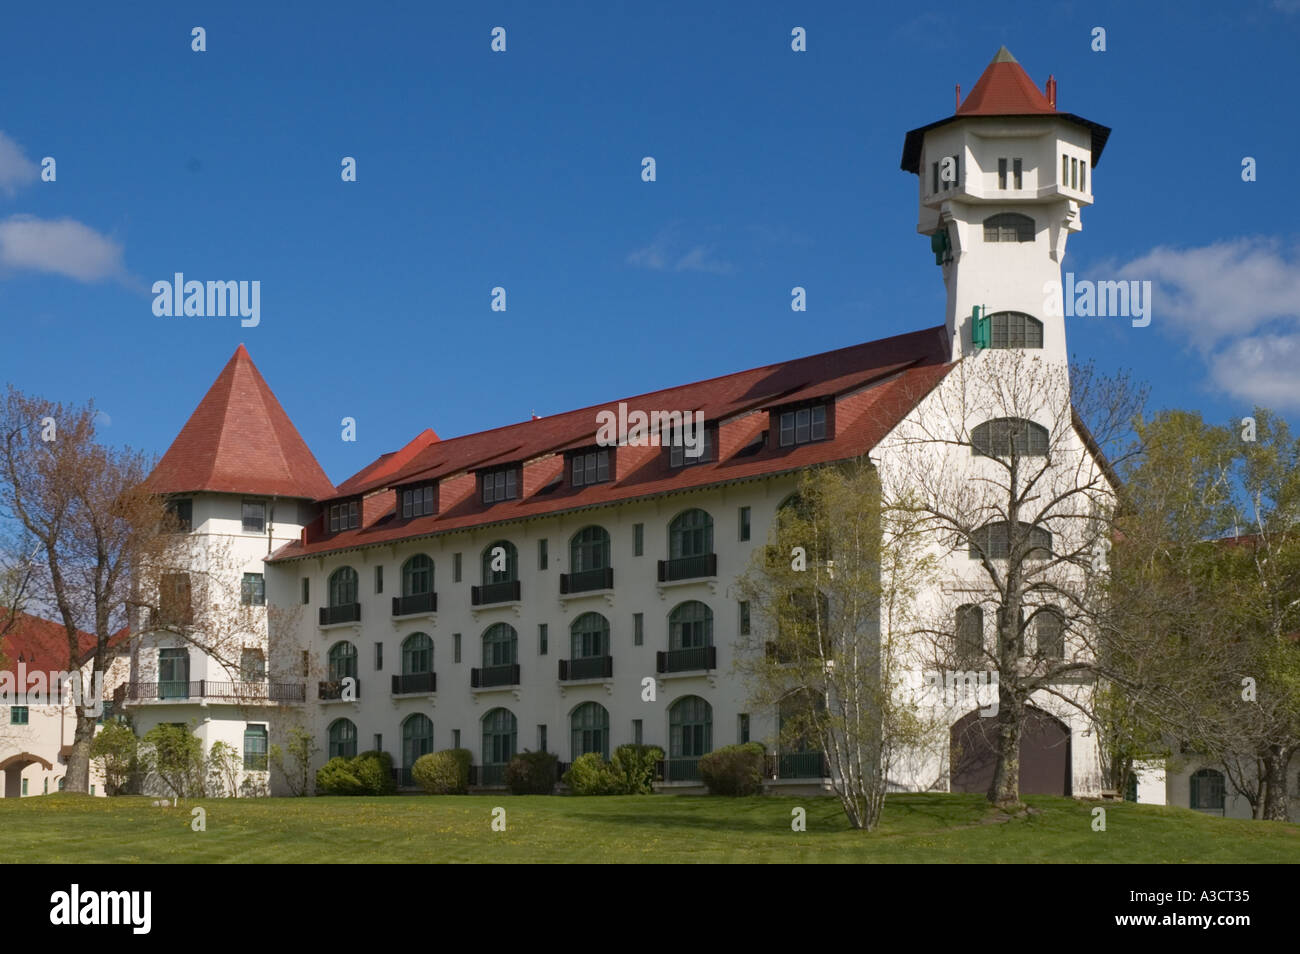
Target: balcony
679,770
687,660
494,593
688,568
489,776
797,765
345,613
402,776
589,667
418,603
490,677
332,691
586,581
415,682
206,689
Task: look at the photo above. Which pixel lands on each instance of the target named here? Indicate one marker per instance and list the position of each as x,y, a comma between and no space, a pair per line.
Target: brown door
1044,753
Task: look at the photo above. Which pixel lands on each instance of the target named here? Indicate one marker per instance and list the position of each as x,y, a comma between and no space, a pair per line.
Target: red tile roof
42,644
876,384
239,440
1004,89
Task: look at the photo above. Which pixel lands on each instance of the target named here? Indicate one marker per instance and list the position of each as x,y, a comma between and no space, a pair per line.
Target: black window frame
417,500
590,465
258,523
510,480
1009,228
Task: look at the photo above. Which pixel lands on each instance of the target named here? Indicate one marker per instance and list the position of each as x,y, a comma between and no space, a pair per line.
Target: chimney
958,106
1051,91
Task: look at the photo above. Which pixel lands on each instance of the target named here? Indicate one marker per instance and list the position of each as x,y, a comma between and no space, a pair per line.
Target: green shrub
592,775
375,772
531,773
634,766
443,773
734,770
336,777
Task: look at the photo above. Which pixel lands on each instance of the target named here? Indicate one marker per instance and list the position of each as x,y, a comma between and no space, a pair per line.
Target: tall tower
1002,182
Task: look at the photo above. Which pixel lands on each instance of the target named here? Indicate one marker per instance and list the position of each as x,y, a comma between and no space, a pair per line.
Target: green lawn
654,828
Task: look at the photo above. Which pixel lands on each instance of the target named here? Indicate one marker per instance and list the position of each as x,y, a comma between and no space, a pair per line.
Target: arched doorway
13,768
1044,753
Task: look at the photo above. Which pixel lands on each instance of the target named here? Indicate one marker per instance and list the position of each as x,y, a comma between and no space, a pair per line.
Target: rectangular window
638,539
252,665
345,516
744,617
455,738
455,642
252,591
254,516
1074,173
1083,175
379,657
306,590
956,173
1017,168
25,787
636,732
18,715
174,599
306,663
541,638
455,567
742,727
638,629
379,579
803,425
1002,173
417,501
1065,171
590,467
500,484
541,738
379,742
255,748
744,523
543,556
679,455
182,513
935,170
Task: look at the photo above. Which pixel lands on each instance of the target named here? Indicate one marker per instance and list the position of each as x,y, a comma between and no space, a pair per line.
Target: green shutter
979,329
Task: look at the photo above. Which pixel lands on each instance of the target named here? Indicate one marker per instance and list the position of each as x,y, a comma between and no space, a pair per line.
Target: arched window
1049,625
417,740
499,732
590,725
690,534
590,636
589,550
994,541
342,661
1207,790
798,741
342,739
417,576
690,626
343,586
690,724
500,646
500,565
1014,329
417,654
1007,436
970,635
1008,227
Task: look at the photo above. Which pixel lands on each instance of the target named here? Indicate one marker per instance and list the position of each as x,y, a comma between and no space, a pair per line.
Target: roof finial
1004,56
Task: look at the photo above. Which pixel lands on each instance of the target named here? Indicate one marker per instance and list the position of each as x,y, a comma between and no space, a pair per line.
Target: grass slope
657,828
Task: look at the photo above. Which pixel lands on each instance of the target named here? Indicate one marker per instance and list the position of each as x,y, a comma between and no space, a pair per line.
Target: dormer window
181,511
416,501
499,484
704,449
345,515
590,467
802,425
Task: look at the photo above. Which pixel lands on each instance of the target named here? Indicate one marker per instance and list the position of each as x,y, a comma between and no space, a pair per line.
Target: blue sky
522,170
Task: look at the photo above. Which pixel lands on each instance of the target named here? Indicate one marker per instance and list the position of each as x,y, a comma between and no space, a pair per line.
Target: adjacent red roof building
42,644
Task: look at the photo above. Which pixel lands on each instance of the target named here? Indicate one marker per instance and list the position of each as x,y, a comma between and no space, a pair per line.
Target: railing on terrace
589,667
212,689
686,568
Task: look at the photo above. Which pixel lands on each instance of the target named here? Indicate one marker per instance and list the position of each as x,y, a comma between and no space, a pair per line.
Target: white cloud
62,246
1261,370
666,254
15,168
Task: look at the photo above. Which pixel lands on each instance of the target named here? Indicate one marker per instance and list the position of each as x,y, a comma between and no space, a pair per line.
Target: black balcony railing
473,775
403,777
418,603
797,765
581,582
588,667
490,676
686,568
685,660
491,775
345,613
415,682
494,593
254,691
334,690
679,770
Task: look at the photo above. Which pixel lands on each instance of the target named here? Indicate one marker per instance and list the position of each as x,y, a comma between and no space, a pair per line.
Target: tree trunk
1005,789
1275,765
77,778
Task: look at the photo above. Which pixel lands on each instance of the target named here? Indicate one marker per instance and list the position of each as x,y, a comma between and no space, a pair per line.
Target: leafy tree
293,761
115,746
174,756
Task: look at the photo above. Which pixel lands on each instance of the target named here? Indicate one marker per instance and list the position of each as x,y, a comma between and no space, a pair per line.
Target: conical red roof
1005,89
239,440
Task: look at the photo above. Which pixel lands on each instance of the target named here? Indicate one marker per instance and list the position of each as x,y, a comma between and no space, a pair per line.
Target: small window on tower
935,167
1083,175
1074,173
1002,173
1065,170
1017,166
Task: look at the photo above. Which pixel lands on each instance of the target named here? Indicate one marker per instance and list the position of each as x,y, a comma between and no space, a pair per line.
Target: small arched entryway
13,768
1044,753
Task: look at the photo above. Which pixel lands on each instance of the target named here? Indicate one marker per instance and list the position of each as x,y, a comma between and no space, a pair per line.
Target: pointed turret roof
239,440
1005,89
